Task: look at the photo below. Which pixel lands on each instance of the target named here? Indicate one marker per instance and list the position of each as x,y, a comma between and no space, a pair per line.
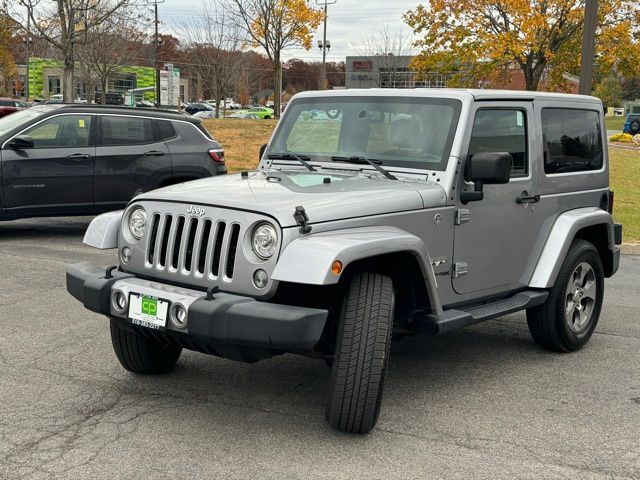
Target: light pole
157,52
588,46
324,44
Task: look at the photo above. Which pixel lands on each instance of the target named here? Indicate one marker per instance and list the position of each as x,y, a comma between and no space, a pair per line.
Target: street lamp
324,44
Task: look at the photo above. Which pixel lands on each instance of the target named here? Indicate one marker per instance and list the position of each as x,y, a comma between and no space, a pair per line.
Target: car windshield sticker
312,180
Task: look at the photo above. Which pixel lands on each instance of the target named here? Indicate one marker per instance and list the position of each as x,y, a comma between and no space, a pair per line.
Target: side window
121,130
166,129
502,130
61,131
572,140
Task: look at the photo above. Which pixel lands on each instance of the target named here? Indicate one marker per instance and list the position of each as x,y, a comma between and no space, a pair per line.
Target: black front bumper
225,320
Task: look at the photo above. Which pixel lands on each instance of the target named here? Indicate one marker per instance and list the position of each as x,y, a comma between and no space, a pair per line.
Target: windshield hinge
460,269
302,219
462,216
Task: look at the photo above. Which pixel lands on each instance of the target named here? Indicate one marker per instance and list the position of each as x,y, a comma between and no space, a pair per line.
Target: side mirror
262,149
486,168
21,142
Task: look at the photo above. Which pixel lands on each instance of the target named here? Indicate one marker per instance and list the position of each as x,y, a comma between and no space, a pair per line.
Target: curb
631,249
626,146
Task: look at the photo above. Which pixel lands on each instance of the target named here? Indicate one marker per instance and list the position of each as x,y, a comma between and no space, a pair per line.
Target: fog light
260,278
178,315
125,255
119,301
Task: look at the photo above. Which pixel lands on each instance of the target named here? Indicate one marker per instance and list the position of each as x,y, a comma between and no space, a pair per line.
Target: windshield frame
287,123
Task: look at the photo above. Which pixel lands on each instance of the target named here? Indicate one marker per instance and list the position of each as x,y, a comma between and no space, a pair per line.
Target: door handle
79,156
154,153
526,198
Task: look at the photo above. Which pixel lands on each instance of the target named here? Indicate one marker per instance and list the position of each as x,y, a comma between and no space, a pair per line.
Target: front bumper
227,319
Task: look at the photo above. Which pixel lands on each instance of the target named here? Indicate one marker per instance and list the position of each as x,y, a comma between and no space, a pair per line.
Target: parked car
85,159
198,107
145,104
205,114
10,105
262,112
632,124
418,212
244,115
111,98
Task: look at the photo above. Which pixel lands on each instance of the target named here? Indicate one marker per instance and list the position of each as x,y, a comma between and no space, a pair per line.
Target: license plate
148,311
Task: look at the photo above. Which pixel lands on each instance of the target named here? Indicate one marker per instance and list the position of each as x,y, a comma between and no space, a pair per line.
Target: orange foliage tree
482,39
275,25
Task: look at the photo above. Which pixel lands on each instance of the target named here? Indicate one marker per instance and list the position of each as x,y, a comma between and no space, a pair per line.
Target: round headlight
137,223
265,240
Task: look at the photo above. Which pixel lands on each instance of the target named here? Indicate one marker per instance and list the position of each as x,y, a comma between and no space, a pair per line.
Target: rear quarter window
572,140
166,129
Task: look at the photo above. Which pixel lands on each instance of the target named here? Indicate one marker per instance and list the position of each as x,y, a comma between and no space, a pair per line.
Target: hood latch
302,220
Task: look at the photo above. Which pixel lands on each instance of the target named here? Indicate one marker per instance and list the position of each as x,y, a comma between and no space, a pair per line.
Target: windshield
14,120
398,131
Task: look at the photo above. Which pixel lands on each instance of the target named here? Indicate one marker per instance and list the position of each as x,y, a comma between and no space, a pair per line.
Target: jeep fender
103,231
562,234
308,259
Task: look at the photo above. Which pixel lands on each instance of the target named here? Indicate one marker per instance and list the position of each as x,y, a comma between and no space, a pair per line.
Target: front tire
566,321
142,355
361,353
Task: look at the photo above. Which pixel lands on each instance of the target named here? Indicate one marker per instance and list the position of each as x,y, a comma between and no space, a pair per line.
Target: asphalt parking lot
480,403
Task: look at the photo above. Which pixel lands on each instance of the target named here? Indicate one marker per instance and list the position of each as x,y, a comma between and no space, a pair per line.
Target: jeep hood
326,196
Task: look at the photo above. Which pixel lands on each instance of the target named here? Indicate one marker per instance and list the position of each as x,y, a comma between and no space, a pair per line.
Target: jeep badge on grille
195,210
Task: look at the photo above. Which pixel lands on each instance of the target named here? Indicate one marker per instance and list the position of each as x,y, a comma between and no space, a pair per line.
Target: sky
349,23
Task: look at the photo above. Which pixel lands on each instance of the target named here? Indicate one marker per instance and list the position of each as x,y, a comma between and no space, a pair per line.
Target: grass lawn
615,123
242,140
625,173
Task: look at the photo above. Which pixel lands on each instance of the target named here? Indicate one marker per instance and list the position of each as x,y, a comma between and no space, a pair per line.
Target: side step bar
454,319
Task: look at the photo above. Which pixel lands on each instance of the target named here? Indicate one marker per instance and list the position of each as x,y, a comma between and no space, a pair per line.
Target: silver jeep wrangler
373,214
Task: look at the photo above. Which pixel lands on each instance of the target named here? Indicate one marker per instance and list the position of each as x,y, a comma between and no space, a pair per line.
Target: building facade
46,79
388,71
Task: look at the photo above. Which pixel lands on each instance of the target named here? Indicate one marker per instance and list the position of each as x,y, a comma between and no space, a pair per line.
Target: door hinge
462,216
460,269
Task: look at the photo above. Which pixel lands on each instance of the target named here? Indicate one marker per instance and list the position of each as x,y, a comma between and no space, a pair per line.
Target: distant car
262,112
193,108
145,104
205,114
618,112
87,159
245,115
9,106
632,125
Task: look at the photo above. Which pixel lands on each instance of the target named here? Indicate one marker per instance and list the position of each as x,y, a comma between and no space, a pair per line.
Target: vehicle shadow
59,228
294,388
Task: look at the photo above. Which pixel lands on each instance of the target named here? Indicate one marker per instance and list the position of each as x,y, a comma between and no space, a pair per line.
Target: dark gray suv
87,159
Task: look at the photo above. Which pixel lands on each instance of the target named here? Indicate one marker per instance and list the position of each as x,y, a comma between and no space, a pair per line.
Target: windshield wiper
365,161
292,156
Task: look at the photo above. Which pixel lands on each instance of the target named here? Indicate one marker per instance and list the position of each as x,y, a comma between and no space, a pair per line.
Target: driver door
494,240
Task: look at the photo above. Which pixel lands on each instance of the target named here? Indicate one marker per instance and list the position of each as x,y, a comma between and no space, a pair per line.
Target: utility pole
324,44
157,53
588,46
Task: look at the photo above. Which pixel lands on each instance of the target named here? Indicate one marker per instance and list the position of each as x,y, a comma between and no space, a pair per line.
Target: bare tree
388,47
108,47
66,24
275,25
213,45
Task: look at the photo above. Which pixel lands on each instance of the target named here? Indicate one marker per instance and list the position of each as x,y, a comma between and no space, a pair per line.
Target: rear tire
361,353
566,321
142,355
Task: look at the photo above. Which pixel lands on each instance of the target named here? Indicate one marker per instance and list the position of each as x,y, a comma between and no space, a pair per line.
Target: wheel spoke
582,271
590,290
